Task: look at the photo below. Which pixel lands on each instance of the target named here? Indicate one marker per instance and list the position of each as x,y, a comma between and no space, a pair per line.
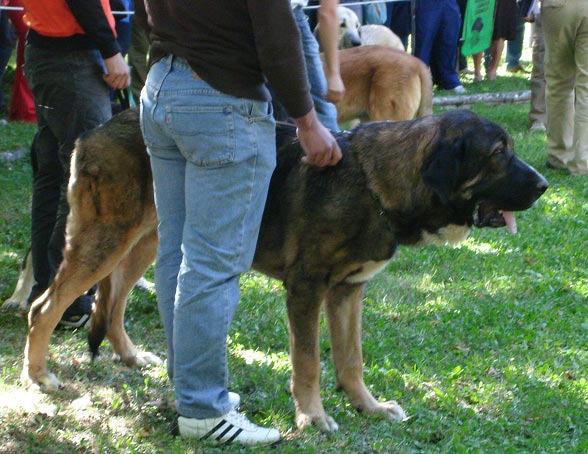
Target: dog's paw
15,305
323,422
46,382
141,359
392,411
148,358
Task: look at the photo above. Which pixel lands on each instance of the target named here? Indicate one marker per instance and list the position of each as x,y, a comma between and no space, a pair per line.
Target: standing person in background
537,111
139,50
326,85
436,40
514,47
565,29
398,19
71,60
207,122
505,28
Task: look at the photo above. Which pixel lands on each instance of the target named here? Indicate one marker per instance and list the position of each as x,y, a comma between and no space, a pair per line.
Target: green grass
485,345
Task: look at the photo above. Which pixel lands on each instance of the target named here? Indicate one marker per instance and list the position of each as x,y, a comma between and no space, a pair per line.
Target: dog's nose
542,185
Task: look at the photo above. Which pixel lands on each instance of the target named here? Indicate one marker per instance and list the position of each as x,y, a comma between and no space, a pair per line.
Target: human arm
329,36
282,62
98,24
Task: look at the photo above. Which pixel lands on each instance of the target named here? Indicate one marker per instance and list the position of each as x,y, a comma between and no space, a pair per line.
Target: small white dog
352,34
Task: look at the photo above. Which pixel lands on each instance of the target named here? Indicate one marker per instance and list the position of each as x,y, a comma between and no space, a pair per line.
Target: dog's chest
451,234
366,272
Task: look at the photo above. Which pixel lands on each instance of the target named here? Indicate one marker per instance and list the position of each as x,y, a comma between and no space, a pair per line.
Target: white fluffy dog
352,34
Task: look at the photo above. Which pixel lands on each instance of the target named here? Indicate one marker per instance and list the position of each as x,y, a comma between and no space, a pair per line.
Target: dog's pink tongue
511,222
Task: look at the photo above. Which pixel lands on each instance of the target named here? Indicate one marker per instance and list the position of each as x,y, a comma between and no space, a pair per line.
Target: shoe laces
240,420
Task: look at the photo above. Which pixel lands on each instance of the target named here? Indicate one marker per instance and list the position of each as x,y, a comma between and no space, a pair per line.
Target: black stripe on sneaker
227,430
235,435
213,430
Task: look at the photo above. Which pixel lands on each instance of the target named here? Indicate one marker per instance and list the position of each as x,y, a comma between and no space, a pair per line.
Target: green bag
477,26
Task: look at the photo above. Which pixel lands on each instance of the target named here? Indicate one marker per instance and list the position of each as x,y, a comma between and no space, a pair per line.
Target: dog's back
382,83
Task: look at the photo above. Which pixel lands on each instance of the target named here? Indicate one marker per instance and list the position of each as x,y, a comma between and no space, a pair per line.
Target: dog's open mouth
488,215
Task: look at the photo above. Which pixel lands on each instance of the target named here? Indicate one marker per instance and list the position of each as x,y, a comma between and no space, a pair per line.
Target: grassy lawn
485,345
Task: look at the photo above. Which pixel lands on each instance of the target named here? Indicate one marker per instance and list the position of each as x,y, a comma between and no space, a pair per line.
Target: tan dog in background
382,83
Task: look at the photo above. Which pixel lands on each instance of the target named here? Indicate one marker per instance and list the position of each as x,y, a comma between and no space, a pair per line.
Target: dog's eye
498,151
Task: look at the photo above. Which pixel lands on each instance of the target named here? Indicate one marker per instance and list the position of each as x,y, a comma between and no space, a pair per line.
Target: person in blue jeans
207,123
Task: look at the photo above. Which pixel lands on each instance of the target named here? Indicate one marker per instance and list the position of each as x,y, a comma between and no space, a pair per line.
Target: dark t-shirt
234,45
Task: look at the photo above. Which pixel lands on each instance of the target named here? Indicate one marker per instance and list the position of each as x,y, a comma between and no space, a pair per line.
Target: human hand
318,143
118,74
336,89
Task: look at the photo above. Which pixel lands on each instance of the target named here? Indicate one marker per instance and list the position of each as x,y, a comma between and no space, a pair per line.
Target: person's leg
477,58
78,102
444,52
168,168
537,110
47,181
224,156
579,165
427,23
560,73
514,47
496,48
326,112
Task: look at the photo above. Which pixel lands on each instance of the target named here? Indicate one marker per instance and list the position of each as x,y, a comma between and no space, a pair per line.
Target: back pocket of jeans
204,134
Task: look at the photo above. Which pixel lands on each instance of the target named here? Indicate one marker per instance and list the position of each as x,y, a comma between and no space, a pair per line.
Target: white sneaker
232,427
459,89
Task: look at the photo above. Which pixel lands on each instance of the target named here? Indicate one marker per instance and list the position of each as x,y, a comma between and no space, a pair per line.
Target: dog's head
348,28
472,165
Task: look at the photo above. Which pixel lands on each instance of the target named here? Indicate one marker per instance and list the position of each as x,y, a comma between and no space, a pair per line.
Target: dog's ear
440,169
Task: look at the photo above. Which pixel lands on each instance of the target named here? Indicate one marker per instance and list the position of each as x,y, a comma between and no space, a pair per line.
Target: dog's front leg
343,308
304,304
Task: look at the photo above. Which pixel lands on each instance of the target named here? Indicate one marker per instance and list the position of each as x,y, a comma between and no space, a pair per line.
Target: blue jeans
436,40
326,112
212,157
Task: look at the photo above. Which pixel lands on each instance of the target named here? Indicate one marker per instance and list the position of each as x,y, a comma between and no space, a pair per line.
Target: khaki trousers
537,110
565,28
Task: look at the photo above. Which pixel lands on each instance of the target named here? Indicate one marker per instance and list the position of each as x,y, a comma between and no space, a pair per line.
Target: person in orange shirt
71,59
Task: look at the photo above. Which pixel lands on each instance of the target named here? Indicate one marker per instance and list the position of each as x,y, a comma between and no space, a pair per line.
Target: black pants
70,98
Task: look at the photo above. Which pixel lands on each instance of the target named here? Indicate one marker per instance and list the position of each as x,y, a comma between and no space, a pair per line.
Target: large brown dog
382,83
325,233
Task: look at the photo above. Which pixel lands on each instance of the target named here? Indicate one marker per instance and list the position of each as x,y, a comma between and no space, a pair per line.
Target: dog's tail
426,105
101,318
